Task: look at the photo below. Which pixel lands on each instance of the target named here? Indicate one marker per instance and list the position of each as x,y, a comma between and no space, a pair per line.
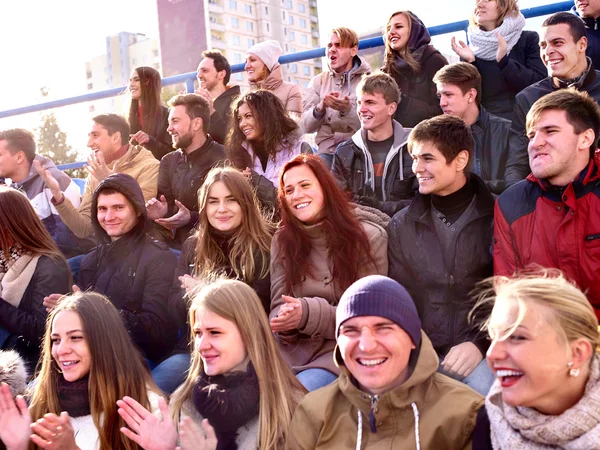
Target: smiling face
373,111
248,123
219,343
562,56
376,352
304,195
435,175
100,141
116,215
9,160
255,68
223,211
398,32
208,77
69,347
588,8
486,14
135,87
180,127
340,58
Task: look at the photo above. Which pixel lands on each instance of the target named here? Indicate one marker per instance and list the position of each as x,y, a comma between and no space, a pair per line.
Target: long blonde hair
405,53
280,391
251,239
117,369
505,8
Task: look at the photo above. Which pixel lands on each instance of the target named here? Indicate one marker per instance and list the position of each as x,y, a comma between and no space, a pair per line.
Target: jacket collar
586,79
482,121
196,155
400,137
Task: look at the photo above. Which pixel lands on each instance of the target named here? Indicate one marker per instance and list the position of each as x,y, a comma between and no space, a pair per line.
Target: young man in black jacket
439,247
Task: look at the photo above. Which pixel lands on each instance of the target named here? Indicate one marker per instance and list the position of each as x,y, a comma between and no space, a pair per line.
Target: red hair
346,239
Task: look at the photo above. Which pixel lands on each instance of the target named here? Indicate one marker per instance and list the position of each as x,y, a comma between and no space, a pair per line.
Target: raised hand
462,50
140,137
462,359
191,436
54,432
289,316
97,166
145,429
180,219
157,209
51,182
53,300
15,420
501,52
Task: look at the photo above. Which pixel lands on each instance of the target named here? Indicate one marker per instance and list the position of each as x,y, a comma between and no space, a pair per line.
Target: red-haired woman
323,246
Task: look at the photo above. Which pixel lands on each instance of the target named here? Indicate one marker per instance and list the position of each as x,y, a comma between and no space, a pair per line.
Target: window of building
90,86
266,10
234,22
248,9
92,108
268,27
237,57
156,65
304,39
306,70
249,26
291,20
235,39
294,68
250,42
289,4
302,23
239,76
89,74
233,4
301,7
283,14
155,52
133,62
292,36
285,31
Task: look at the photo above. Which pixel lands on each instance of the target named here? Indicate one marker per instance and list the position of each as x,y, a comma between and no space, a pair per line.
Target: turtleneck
454,205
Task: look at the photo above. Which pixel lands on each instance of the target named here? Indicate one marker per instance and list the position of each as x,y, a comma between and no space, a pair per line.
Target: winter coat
353,170
592,32
490,134
161,144
181,175
178,303
135,272
333,127
40,197
419,99
220,119
502,80
27,322
429,411
312,344
441,289
288,93
535,225
137,162
517,166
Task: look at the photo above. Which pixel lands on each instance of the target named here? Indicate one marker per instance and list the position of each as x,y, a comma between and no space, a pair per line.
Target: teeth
301,206
508,373
69,363
424,179
371,362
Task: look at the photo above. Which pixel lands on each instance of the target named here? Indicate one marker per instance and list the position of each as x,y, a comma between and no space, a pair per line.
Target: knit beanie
380,296
268,51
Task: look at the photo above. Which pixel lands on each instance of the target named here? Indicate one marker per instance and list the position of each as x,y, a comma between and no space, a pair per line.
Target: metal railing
189,78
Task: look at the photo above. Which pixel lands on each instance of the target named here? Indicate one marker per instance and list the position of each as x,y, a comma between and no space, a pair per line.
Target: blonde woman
544,353
238,381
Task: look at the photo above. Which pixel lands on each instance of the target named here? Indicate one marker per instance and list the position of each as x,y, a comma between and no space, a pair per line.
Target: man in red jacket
552,218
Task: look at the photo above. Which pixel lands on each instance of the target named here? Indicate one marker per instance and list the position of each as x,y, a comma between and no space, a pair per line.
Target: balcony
315,34
313,3
216,26
218,43
314,18
215,7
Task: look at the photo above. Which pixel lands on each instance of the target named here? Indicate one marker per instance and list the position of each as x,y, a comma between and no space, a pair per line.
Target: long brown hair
280,390
150,87
276,126
389,53
346,239
251,242
117,369
20,224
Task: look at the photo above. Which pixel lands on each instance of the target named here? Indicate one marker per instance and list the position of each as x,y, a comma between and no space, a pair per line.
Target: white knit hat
268,51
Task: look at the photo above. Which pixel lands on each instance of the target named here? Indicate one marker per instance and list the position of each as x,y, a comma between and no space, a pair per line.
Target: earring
572,371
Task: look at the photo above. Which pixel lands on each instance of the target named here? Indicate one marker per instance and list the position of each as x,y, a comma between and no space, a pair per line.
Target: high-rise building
188,27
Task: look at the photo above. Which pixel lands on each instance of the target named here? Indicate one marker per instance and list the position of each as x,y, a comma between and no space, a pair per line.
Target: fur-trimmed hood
13,371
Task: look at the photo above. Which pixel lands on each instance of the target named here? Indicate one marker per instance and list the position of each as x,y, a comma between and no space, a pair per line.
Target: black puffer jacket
179,306
135,273
27,323
490,133
353,171
180,176
441,290
219,120
592,32
161,143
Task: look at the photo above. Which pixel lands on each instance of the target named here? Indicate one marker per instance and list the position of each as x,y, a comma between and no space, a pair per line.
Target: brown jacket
288,93
312,344
429,408
137,162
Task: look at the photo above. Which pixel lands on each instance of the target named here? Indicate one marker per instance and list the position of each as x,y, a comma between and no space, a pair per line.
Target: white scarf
578,428
14,282
485,43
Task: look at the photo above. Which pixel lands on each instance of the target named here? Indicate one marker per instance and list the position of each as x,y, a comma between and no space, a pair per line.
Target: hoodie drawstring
415,413
359,431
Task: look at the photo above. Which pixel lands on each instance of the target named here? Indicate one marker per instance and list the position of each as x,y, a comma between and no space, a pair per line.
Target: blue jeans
313,379
170,373
480,380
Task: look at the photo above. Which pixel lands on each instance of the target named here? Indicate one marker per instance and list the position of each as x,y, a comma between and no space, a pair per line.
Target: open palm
15,420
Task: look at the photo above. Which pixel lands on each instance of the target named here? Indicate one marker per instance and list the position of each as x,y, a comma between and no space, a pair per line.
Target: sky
46,43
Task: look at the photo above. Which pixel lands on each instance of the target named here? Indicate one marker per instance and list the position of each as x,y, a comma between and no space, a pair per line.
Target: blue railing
188,78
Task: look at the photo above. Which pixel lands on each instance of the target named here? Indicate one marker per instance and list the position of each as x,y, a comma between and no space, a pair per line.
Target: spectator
322,247
182,172
232,239
110,153
13,378
264,72
562,47
589,11
330,99
133,270
459,89
18,162
507,57
551,218
412,62
238,382
374,165
264,139
214,72
148,118
544,353
31,267
440,246
88,362
388,382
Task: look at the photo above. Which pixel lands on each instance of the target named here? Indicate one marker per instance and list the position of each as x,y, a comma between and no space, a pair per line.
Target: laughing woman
545,353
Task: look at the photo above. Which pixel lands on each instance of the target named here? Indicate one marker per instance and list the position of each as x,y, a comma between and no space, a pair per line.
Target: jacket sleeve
265,190
311,99
79,220
517,164
378,242
164,185
178,307
304,429
505,258
161,144
519,76
29,320
148,179
338,171
399,269
294,101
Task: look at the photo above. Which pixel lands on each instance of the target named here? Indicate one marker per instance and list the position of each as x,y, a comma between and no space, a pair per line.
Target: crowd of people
428,276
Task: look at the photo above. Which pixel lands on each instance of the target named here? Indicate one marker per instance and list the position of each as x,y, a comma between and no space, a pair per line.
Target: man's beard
184,141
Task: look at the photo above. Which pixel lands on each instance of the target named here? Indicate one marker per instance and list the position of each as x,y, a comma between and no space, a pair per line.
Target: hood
400,136
13,372
273,80
368,214
129,187
360,66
